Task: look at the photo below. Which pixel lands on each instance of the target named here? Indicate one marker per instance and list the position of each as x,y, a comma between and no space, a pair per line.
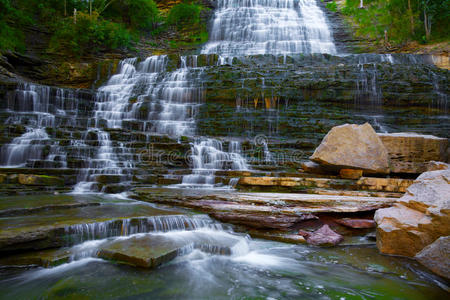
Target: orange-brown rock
411,152
350,173
418,219
355,147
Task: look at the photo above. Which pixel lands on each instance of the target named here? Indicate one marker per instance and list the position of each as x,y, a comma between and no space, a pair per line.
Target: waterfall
280,27
207,157
141,97
38,108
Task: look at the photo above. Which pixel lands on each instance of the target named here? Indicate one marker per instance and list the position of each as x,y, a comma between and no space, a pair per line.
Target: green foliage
90,34
138,14
184,14
402,23
332,6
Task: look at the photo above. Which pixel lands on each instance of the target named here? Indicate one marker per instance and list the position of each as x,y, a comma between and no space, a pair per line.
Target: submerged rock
412,152
419,218
436,256
142,251
324,236
353,146
151,250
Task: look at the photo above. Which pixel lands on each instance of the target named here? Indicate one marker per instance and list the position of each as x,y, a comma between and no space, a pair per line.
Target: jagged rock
412,152
350,173
420,216
356,223
323,236
436,256
40,180
355,147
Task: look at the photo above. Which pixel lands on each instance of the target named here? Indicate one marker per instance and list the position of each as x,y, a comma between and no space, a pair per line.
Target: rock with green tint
26,179
45,258
142,251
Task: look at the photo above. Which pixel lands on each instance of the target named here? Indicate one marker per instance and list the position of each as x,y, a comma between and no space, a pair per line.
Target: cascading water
209,156
140,97
249,27
38,107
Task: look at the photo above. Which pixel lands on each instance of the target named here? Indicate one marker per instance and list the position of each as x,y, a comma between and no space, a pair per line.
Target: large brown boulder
412,153
352,146
436,257
418,218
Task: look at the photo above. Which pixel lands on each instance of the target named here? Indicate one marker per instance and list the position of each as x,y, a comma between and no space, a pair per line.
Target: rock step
364,183
152,250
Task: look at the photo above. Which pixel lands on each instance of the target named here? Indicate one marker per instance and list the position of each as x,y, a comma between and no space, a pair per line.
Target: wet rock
411,152
355,147
278,221
3,178
278,236
142,251
356,223
40,180
419,218
436,256
350,173
151,250
45,258
323,236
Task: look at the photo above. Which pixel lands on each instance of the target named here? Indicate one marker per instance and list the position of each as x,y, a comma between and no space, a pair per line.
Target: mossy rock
26,179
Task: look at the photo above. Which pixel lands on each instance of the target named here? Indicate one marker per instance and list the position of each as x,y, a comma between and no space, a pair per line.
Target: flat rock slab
44,258
47,225
142,251
152,250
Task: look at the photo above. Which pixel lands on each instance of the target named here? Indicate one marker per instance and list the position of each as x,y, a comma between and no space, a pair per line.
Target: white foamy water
249,27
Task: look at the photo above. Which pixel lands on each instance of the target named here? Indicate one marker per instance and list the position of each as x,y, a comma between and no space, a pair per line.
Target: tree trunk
65,8
361,4
427,24
411,17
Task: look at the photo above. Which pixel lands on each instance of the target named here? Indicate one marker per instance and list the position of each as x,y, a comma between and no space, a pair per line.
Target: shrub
184,14
90,34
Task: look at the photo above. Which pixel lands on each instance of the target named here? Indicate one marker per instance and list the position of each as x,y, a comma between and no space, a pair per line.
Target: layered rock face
411,152
353,146
419,218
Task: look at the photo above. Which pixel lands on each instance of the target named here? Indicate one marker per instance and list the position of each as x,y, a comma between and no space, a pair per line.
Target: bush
138,14
184,14
90,34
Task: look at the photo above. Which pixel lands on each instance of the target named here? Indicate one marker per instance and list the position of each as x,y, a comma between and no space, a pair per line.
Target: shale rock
419,218
324,236
412,153
352,146
436,256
